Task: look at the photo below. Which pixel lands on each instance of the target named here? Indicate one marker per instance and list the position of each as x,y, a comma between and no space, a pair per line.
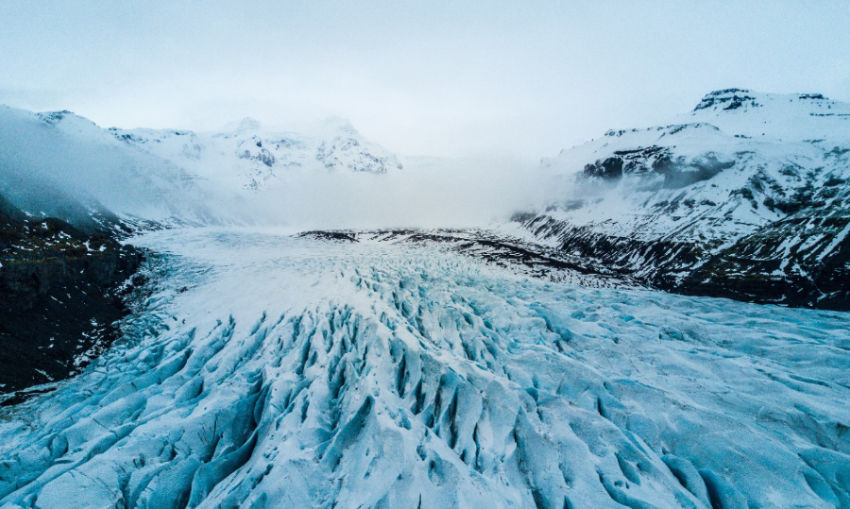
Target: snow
261,369
712,176
294,372
248,156
56,162
61,165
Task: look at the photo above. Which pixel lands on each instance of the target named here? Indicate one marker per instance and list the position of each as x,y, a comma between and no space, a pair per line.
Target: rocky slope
745,197
60,292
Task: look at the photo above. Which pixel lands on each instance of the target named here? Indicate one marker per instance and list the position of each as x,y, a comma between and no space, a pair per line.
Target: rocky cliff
60,294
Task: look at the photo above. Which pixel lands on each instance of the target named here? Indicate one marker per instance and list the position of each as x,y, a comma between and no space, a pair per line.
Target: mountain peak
728,99
65,117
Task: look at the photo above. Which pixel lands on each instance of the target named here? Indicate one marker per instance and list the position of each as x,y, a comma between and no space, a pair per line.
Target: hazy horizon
422,80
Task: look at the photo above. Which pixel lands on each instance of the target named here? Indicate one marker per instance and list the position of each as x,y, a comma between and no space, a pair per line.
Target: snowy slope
745,176
270,371
63,165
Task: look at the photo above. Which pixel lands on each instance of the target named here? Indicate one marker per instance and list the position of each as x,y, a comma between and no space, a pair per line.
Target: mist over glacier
427,193
58,161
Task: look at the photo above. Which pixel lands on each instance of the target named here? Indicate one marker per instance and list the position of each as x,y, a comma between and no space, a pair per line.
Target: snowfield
263,370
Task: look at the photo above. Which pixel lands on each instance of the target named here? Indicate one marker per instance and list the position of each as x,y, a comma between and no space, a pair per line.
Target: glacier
260,369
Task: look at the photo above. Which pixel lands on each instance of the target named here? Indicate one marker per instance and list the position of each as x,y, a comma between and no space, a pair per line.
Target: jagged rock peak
728,99
51,117
67,118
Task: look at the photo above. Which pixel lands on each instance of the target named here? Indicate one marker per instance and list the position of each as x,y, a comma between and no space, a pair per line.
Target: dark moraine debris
60,296
532,259
339,235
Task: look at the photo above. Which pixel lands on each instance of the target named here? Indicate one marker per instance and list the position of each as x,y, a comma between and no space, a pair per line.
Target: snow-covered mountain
746,196
255,157
400,368
63,165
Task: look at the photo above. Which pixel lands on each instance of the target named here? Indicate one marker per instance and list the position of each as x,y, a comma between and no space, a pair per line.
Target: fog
74,167
427,193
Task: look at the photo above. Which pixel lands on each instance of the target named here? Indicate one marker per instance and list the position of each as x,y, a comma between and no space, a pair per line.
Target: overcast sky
522,78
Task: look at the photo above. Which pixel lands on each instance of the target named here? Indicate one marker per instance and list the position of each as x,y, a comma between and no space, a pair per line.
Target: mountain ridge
744,197
166,175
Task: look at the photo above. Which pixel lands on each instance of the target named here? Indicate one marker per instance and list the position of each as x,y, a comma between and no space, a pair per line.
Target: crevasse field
264,370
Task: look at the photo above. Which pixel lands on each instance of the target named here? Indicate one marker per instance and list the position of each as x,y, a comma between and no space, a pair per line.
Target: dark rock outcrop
729,99
781,263
59,296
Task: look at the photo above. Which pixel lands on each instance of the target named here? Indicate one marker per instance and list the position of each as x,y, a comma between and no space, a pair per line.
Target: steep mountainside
61,165
59,296
748,197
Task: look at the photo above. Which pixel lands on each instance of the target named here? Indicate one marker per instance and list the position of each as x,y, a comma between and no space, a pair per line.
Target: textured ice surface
269,371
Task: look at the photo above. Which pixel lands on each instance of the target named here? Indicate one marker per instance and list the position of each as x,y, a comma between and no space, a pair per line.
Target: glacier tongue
271,371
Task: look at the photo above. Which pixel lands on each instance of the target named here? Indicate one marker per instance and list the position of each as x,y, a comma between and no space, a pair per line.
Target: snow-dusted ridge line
258,157
746,197
398,375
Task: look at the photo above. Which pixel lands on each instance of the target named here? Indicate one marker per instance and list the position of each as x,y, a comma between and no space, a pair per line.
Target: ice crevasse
262,370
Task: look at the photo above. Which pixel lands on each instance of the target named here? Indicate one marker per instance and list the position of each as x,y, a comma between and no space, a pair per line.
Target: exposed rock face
731,99
60,296
812,270
746,198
